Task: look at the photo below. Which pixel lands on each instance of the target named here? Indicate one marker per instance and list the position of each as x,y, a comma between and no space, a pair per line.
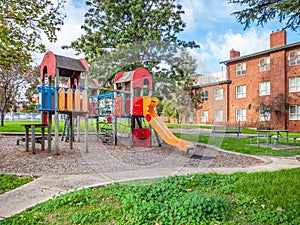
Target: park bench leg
275,142
33,139
27,139
295,142
43,138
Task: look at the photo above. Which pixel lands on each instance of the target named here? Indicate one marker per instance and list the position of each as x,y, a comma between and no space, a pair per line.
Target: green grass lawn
240,198
16,126
10,181
242,145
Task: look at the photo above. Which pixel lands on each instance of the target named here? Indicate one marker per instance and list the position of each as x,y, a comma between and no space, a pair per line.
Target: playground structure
131,98
101,108
70,100
136,102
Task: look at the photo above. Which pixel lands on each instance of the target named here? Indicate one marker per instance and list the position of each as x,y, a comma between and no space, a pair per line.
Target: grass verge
9,182
242,145
240,198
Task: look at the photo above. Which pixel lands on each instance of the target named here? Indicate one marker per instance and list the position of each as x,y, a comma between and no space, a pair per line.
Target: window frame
219,96
262,117
294,60
243,117
297,84
265,66
296,113
265,91
204,96
205,116
243,94
240,69
219,118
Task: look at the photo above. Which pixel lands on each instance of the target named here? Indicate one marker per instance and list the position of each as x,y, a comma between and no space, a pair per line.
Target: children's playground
123,114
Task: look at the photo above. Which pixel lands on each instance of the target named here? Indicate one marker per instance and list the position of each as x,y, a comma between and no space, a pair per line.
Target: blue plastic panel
47,101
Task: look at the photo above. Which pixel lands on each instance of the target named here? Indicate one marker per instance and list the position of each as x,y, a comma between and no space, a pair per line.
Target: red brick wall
211,105
278,39
278,75
294,97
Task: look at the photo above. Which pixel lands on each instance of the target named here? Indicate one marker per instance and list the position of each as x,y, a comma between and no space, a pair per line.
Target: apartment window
241,91
218,115
241,69
264,88
219,94
295,112
264,64
241,115
294,84
265,114
294,57
204,116
204,96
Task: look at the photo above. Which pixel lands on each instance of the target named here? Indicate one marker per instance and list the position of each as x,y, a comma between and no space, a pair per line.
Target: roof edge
260,53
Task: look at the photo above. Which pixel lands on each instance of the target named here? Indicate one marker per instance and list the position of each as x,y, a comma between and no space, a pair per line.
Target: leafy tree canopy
22,23
286,11
113,23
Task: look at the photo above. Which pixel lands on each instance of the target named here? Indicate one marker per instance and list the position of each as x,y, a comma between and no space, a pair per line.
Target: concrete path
46,186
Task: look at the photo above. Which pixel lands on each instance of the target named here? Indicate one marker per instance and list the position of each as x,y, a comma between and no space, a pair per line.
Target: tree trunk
2,118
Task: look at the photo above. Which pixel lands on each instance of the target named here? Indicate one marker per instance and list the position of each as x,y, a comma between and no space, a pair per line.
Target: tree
276,106
110,24
286,11
169,109
10,82
22,23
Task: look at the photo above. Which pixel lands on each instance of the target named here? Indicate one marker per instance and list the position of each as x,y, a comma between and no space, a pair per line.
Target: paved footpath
46,186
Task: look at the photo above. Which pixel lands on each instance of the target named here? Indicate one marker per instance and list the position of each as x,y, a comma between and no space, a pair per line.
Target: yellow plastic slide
160,127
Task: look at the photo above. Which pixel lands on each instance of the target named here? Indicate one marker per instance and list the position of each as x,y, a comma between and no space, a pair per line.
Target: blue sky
209,23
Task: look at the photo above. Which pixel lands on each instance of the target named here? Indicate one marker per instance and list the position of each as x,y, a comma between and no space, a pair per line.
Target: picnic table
34,139
266,134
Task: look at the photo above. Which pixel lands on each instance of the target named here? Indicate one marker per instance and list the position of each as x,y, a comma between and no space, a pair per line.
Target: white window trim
241,69
244,117
297,85
294,57
219,118
243,94
296,114
264,64
204,97
262,117
204,117
265,91
219,96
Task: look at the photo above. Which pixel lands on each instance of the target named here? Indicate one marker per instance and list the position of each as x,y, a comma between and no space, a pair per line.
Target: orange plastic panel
77,100
61,99
84,101
69,100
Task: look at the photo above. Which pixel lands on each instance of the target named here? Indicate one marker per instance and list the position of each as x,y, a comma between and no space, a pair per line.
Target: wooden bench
227,130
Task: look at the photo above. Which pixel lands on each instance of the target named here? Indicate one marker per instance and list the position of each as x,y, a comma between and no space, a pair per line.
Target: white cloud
216,47
69,32
248,42
203,14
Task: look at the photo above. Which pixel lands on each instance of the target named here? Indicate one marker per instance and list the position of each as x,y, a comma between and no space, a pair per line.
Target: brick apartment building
259,90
